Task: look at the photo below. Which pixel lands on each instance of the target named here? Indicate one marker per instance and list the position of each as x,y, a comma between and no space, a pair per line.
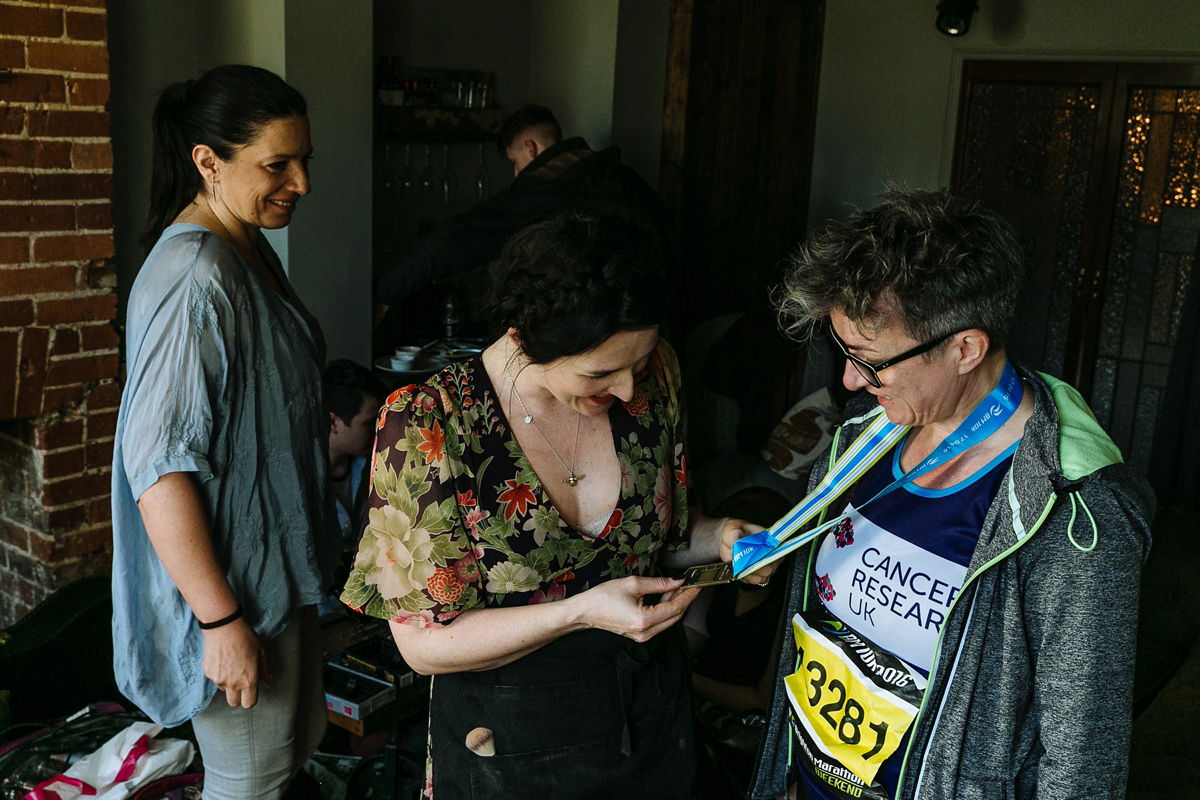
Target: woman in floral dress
524,507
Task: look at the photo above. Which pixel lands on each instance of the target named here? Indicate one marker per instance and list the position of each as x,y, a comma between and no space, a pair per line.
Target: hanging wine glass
408,178
483,181
449,182
429,178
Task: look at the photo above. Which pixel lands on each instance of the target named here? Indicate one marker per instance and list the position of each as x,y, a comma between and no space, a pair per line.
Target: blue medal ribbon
759,549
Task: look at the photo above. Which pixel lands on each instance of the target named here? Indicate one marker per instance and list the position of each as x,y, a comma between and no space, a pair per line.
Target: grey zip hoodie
1031,686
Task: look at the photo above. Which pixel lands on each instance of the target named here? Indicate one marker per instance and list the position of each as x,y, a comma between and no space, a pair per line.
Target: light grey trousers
252,753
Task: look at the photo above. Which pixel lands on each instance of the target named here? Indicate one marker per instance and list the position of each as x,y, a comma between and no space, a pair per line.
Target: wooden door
741,94
1098,167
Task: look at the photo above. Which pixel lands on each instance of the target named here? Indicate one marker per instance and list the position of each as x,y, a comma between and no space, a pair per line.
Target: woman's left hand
731,531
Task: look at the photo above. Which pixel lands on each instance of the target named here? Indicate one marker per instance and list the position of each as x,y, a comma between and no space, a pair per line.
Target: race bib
852,702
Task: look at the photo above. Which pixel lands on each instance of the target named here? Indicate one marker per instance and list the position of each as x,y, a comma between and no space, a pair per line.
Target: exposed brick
95,216
31,87
37,218
91,155
99,454
80,487
94,308
14,250
71,186
16,186
106,395
74,247
25,153
41,547
67,371
25,566
30,21
100,511
88,91
99,337
67,518
85,27
62,398
68,57
12,54
66,342
83,3
66,433
14,535
83,542
101,273
31,371
12,119
62,463
104,424
68,123
72,569
16,313
9,350
36,280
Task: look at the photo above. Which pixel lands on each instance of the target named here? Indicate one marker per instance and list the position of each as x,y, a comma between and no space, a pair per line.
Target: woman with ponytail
222,517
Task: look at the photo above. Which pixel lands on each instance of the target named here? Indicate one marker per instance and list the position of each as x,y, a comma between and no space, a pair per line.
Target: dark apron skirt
590,715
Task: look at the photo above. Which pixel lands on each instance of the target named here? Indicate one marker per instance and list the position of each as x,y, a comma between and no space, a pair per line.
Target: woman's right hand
618,606
235,661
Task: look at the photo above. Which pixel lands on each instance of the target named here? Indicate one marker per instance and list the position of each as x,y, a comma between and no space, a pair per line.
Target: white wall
327,48
640,72
329,244
572,52
890,81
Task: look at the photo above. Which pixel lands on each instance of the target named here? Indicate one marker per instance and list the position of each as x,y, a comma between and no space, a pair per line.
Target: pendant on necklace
528,418
573,478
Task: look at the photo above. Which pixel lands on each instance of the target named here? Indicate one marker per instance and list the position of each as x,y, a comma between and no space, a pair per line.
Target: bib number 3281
854,701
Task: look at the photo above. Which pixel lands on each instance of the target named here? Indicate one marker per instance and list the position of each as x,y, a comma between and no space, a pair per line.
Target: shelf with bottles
435,105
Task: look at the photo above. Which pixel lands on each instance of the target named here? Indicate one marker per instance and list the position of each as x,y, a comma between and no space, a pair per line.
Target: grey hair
932,262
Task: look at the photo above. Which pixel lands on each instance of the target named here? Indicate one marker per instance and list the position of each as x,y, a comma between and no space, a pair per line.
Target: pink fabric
40,792
139,749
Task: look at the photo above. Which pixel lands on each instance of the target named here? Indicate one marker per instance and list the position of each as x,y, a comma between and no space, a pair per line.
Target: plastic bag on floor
122,765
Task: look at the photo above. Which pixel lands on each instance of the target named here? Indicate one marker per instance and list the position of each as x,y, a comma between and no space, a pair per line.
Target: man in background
551,174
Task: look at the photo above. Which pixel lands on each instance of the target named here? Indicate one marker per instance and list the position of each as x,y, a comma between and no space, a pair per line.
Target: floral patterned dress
458,520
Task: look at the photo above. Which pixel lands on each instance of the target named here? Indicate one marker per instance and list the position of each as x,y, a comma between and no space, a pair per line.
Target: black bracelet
208,626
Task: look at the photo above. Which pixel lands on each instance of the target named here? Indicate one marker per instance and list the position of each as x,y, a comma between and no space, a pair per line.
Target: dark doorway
1098,167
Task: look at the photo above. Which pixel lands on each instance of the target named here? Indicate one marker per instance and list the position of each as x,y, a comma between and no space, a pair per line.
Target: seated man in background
353,396
551,174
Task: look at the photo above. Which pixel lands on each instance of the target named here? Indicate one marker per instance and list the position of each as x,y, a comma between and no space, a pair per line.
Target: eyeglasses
870,371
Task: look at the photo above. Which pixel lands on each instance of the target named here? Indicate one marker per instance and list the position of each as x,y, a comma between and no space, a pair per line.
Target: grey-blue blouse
224,381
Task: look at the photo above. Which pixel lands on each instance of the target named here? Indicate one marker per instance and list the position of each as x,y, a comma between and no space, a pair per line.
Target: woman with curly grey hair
965,627
525,507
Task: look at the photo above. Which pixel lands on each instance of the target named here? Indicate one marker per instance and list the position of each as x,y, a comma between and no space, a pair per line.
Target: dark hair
225,109
570,282
346,385
523,119
931,261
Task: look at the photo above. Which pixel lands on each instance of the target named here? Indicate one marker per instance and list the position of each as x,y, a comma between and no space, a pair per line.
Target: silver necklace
571,478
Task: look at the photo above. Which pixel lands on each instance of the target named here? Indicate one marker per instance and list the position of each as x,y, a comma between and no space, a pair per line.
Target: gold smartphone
707,574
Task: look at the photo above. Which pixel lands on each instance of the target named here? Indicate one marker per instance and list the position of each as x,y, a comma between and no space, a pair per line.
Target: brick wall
58,346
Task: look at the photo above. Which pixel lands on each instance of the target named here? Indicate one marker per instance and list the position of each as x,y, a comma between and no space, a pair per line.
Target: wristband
208,626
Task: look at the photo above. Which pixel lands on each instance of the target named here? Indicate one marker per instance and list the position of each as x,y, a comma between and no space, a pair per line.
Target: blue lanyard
988,416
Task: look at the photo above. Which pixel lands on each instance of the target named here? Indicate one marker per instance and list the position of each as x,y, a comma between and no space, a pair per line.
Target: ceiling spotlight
954,16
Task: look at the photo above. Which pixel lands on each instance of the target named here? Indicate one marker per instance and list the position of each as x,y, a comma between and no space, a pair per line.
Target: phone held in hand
707,574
